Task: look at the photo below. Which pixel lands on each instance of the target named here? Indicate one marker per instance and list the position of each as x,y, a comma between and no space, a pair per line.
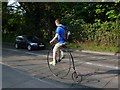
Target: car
29,42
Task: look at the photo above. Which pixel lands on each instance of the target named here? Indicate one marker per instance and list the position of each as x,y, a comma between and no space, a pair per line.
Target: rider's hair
58,21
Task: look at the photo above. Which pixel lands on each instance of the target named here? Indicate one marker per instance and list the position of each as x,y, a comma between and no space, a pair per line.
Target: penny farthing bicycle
64,64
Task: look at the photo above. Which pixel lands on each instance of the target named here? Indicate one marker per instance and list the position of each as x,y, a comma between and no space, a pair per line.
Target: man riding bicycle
60,34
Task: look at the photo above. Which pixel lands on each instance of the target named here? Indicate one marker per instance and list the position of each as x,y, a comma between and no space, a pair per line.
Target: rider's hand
51,42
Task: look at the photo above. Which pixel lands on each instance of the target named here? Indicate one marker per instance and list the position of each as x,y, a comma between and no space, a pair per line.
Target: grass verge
93,47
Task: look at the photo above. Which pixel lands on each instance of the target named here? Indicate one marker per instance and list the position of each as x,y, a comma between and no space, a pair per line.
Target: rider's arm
56,36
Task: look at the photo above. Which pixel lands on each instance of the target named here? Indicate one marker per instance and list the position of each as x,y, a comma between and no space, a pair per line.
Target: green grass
93,47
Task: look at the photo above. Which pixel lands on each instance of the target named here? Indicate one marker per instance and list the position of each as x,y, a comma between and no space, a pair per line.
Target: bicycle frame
74,74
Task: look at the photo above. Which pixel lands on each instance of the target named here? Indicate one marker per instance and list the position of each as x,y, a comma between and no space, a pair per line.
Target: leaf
98,11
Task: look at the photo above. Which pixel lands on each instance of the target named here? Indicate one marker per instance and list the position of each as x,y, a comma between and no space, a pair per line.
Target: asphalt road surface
97,70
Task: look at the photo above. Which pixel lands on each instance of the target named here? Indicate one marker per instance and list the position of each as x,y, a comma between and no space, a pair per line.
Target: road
98,70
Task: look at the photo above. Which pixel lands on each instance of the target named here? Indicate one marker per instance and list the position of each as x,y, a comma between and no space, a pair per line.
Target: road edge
84,51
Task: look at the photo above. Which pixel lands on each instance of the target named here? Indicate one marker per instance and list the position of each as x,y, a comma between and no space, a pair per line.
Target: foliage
88,22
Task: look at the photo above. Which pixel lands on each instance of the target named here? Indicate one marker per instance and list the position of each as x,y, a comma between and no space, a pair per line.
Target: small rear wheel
76,78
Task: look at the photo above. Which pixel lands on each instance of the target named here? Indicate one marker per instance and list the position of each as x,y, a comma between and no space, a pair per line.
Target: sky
13,3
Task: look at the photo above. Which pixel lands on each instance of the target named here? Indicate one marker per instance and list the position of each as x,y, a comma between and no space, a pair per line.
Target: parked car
29,42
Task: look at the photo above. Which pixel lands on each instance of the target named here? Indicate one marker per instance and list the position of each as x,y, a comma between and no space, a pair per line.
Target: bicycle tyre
76,78
61,69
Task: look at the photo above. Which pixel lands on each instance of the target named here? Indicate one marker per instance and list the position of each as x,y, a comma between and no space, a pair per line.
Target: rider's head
57,22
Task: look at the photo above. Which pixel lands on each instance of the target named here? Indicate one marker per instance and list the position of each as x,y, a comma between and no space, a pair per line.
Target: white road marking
88,63
25,52
35,54
107,53
101,65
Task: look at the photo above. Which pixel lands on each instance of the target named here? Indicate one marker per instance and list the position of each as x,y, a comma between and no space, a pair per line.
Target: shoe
59,60
52,63
62,57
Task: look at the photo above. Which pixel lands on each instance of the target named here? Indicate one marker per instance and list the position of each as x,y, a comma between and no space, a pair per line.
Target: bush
105,33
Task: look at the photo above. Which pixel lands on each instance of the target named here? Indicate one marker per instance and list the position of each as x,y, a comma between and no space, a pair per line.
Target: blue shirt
60,31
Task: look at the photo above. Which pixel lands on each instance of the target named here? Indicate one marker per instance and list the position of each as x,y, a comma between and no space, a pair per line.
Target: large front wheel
63,64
